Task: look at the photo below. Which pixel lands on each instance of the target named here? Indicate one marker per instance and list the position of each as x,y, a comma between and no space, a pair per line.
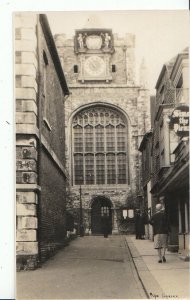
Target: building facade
147,203
40,92
106,116
170,150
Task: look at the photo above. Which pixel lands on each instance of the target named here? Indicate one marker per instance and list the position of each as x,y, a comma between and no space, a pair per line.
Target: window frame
115,118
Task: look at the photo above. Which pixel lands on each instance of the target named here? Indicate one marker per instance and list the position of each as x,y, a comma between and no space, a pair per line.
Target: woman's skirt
160,241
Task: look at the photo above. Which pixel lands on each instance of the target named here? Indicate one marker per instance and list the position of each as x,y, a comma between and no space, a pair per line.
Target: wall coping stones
28,187
113,85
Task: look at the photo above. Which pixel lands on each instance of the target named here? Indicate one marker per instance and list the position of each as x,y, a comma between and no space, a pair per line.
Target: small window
162,89
45,58
113,68
180,83
75,68
46,102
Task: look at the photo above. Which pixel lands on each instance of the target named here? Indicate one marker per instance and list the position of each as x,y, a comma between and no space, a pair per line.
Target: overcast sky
160,35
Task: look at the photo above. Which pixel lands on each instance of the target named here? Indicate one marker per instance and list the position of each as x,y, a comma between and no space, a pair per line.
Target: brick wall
53,98
52,210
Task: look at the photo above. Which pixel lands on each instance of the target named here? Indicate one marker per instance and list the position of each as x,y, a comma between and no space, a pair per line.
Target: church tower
105,122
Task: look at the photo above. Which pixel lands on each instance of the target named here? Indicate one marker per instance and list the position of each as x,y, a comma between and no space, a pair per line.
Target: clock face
94,66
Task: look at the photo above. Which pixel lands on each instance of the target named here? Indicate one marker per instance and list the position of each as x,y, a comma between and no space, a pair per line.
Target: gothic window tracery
100,153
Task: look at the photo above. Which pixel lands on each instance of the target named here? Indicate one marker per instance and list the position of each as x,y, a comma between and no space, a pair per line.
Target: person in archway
139,225
105,225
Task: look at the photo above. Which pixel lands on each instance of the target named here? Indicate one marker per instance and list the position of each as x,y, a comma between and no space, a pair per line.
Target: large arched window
99,149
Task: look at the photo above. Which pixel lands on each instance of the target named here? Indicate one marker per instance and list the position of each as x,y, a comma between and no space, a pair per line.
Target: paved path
168,280
89,268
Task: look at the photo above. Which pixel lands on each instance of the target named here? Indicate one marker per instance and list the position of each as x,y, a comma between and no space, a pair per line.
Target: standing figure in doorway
139,225
105,225
160,231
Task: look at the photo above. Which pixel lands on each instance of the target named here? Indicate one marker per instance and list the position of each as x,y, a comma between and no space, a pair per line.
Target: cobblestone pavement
91,267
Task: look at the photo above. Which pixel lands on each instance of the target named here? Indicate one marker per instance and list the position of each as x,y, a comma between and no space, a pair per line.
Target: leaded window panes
89,168
110,138
100,168
78,163
111,171
104,211
121,167
99,130
78,138
99,146
121,137
89,139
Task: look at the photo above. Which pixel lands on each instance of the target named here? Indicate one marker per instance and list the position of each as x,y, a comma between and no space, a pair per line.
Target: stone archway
100,206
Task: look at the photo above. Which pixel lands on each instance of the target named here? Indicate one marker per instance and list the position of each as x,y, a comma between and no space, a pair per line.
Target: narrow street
92,267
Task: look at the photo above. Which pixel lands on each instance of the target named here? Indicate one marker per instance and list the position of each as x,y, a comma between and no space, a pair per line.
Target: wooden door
100,207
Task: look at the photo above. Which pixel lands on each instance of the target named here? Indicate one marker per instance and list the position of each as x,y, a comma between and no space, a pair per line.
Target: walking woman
160,231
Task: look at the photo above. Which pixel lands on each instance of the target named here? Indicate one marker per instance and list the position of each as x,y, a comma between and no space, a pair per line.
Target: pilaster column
186,219
115,227
179,212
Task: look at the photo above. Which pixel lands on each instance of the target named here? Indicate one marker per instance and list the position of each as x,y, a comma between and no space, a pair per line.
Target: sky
160,35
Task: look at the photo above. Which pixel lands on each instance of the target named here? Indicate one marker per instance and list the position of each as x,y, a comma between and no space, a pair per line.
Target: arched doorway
100,206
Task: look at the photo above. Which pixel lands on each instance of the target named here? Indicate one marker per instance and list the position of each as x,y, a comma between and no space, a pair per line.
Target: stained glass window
111,168
78,138
89,168
100,168
121,139
78,163
121,167
99,129
110,138
89,139
99,146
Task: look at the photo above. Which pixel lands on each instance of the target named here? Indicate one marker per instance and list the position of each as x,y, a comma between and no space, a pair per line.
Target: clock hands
93,65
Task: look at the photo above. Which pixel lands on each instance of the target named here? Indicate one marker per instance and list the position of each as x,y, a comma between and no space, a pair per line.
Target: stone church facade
106,116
